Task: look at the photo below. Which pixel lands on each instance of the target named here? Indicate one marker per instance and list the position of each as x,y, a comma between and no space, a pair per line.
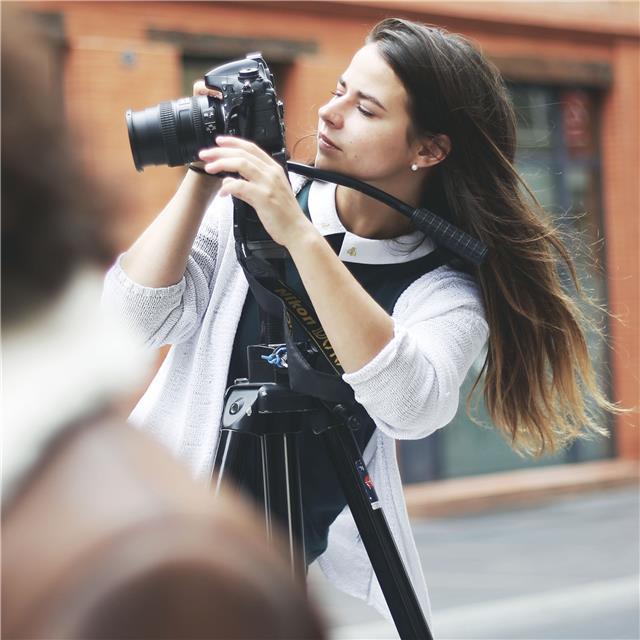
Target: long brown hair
537,372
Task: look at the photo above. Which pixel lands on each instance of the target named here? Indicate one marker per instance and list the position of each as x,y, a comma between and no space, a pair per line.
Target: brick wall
620,163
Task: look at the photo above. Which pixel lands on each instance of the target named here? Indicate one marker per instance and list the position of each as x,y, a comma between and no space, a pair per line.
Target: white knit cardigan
410,388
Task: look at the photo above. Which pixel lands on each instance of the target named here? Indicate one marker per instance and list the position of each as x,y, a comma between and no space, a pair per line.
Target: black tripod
267,412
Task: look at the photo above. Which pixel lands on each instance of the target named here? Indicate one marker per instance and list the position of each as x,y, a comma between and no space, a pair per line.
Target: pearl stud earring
414,167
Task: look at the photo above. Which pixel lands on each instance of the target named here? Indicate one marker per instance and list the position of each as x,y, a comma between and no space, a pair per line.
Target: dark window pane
540,178
578,123
533,117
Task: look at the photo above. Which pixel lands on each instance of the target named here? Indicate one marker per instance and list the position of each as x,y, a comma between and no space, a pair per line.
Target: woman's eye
362,110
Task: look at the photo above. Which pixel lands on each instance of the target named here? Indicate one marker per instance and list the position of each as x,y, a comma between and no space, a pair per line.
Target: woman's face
362,130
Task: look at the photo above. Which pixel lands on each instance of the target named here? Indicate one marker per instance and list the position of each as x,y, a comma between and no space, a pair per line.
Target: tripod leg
282,469
374,530
267,468
239,462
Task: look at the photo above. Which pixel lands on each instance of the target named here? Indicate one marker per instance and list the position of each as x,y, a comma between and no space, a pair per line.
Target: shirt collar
323,213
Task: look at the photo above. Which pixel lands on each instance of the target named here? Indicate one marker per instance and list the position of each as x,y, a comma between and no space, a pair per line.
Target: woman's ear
433,150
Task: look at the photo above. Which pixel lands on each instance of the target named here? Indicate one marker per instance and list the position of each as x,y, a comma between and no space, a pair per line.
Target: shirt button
352,251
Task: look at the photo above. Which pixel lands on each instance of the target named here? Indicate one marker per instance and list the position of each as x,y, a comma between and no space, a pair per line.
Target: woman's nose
330,115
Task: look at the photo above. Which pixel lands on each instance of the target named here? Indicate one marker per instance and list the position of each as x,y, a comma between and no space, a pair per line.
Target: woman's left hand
263,185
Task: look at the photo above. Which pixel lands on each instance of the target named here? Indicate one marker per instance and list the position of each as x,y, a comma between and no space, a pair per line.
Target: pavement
564,569
474,494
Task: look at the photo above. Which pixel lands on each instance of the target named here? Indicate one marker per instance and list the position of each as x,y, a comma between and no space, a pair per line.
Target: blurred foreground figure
104,534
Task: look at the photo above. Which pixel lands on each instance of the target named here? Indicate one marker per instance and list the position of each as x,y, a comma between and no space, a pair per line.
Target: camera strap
278,299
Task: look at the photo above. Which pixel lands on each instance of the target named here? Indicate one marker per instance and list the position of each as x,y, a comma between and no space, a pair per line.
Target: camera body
172,133
250,106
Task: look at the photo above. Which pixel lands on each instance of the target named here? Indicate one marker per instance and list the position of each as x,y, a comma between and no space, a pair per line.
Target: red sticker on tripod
367,484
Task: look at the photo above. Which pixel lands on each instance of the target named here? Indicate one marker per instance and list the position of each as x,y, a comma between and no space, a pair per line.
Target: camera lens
172,133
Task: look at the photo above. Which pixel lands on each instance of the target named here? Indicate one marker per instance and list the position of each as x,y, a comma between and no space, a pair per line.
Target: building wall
620,163
111,65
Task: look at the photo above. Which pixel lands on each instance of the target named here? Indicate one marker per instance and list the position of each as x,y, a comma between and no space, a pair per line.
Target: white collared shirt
324,215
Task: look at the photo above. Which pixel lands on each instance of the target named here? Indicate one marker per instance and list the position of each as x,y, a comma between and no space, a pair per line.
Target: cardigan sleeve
169,315
411,387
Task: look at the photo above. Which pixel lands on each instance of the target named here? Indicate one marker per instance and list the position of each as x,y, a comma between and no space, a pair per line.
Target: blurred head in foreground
104,534
53,215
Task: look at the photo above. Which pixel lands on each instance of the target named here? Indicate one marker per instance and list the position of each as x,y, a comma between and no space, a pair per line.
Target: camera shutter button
248,73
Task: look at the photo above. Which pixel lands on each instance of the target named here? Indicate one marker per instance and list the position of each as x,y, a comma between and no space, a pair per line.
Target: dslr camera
172,133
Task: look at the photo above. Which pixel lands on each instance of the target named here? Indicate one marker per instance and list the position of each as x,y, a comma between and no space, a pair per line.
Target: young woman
420,114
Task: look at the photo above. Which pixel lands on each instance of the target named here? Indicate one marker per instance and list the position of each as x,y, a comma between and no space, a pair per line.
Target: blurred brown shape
110,538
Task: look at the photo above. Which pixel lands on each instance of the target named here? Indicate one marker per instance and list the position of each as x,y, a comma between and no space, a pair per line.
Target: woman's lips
326,143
